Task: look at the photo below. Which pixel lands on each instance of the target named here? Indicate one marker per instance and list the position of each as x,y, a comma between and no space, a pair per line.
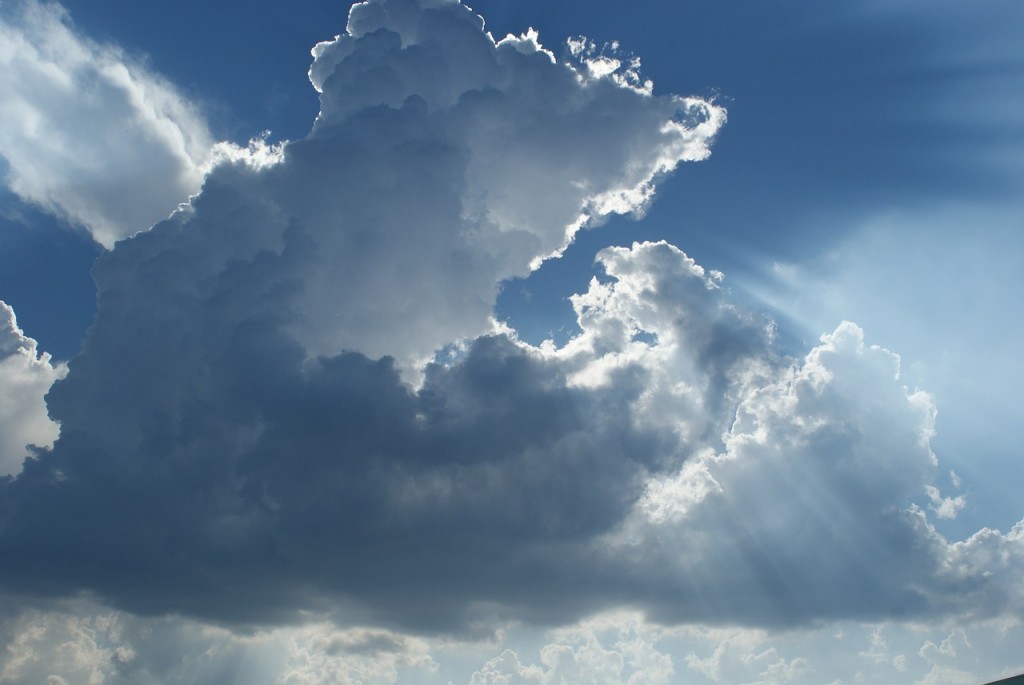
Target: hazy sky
655,342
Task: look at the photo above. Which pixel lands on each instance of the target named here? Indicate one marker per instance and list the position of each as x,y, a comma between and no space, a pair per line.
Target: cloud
587,653
443,163
83,643
954,309
515,482
811,510
233,406
253,435
89,133
25,376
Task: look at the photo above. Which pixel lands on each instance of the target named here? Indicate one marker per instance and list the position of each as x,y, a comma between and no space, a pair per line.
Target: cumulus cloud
443,162
811,508
26,374
599,652
251,434
88,133
539,483
232,397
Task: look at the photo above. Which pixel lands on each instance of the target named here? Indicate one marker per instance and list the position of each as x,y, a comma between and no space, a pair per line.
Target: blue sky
704,476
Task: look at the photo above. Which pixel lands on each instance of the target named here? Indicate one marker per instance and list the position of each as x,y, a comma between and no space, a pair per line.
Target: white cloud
25,376
711,666
614,650
914,283
810,504
944,507
778,670
812,495
324,655
827,653
89,133
460,162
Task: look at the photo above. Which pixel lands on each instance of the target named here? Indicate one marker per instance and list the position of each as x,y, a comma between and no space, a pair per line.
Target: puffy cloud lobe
441,164
586,654
664,314
89,134
793,490
513,482
443,159
810,510
25,376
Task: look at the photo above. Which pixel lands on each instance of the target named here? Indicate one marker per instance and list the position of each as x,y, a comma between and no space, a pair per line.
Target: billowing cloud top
251,431
443,163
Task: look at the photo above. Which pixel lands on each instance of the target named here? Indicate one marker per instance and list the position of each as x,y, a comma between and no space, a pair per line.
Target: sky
511,343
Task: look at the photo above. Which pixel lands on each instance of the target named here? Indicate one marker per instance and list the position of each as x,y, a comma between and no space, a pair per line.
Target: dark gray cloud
252,497
514,482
